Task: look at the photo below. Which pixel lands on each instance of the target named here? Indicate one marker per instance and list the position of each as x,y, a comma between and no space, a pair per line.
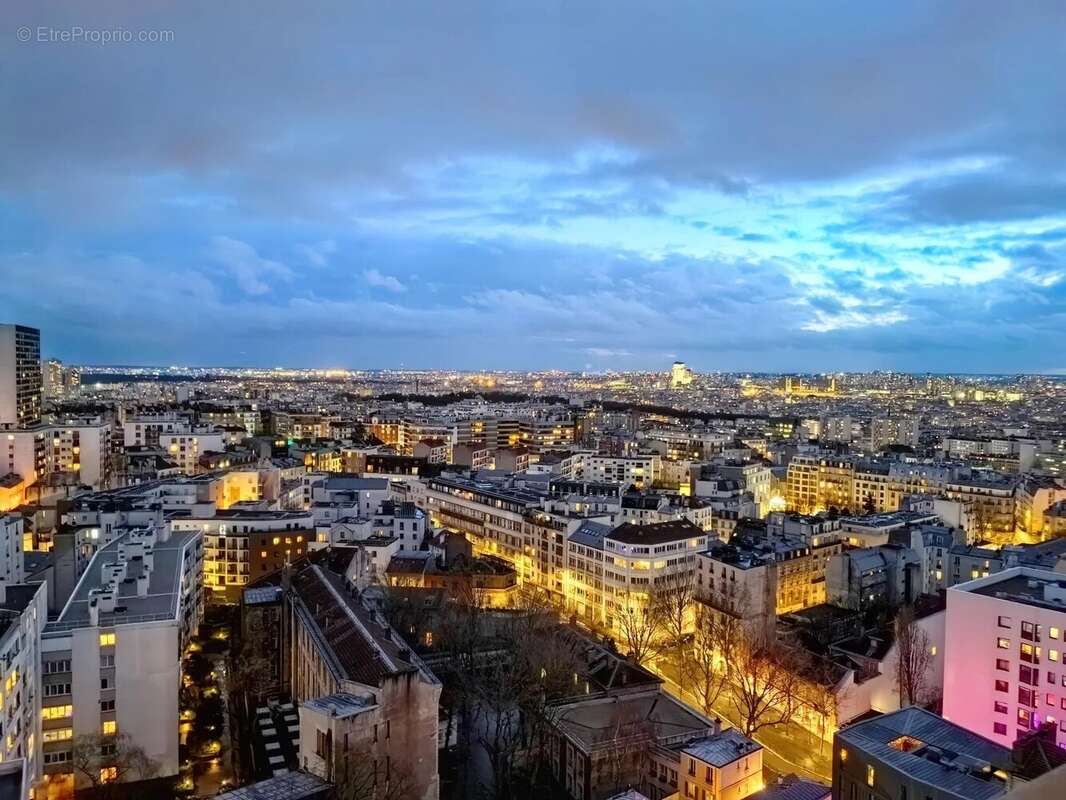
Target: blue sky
744,186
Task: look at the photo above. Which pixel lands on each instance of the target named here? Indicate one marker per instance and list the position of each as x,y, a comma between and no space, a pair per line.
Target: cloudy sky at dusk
578,185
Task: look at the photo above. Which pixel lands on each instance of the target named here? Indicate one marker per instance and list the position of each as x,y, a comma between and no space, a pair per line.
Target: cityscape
434,584
510,400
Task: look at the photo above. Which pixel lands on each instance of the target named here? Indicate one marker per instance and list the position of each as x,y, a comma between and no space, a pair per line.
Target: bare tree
638,618
675,597
707,667
359,774
627,750
764,686
103,761
914,657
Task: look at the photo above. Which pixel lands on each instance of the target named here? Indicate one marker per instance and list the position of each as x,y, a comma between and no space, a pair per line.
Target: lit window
1054,633
299,539
57,712
59,735
1003,644
110,727
108,774
1053,655
932,650
262,553
869,775
107,639
277,540
843,754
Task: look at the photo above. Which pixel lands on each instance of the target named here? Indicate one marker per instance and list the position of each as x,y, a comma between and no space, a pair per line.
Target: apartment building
184,448
818,482
726,766
242,545
640,559
20,376
640,471
111,662
739,582
23,613
913,753
368,704
1005,670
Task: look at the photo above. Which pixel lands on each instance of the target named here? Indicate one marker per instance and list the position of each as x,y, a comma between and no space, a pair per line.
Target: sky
574,185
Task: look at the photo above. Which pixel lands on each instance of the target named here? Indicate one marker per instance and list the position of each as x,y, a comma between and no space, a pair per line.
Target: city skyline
810,190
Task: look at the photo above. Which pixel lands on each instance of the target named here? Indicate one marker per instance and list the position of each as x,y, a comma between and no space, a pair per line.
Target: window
1000,729
59,735
1004,622
1003,665
1002,686
57,712
1000,708
107,639
56,689
1003,644
107,661
59,757
109,727
1054,633
870,775
1053,655
108,774
1051,700
52,667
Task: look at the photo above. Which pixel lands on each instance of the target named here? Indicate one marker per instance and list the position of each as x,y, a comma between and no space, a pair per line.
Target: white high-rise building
1004,649
111,662
23,614
20,375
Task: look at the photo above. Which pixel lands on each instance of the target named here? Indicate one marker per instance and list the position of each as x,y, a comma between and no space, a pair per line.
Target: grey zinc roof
590,534
943,742
289,786
722,748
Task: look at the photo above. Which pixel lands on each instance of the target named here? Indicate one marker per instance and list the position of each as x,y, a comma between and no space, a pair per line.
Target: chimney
142,585
94,613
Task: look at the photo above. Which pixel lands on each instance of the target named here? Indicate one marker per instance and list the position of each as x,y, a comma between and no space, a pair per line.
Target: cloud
254,274
317,255
755,189
381,281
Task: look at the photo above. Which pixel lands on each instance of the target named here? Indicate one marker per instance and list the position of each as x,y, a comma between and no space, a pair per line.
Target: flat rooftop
164,585
1030,587
341,704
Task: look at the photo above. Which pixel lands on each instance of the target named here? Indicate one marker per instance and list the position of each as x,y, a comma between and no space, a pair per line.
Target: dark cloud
512,184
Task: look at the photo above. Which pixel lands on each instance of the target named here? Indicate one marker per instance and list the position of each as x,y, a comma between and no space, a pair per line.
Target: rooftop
595,723
164,583
341,704
931,750
722,748
656,533
791,787
1032,587
288,786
